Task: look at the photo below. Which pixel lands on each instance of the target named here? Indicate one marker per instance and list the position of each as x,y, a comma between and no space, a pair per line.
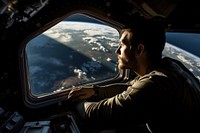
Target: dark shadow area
52,64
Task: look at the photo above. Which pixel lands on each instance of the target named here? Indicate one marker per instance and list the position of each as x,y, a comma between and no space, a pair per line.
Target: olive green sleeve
110,90
130,105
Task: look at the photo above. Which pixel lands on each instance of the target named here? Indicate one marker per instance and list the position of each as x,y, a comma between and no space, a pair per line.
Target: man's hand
81,93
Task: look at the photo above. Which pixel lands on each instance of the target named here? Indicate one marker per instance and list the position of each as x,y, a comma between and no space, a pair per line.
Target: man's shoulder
150,79
158,73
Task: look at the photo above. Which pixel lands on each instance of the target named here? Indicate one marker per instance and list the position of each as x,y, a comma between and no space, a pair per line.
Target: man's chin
121,66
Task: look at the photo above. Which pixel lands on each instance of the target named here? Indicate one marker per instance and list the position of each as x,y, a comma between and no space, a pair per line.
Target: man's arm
127,106
85,92
110,90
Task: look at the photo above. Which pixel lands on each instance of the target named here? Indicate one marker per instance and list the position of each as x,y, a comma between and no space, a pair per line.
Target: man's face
126,53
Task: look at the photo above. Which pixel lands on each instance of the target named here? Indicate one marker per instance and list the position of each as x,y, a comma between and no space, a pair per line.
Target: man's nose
118,50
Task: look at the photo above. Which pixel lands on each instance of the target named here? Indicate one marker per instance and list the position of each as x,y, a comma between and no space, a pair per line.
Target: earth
72,53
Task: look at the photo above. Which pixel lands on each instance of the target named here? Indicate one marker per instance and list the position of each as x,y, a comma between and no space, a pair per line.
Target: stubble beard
123,64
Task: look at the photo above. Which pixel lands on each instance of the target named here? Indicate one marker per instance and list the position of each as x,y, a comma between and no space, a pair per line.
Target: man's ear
140,49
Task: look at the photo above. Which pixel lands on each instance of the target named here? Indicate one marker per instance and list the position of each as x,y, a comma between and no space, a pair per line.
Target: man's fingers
75,97
79,93
74,91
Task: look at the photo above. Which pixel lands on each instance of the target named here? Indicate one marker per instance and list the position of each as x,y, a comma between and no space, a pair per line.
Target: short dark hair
151,34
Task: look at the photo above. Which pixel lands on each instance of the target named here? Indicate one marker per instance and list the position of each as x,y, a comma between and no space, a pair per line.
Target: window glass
71,53
184,47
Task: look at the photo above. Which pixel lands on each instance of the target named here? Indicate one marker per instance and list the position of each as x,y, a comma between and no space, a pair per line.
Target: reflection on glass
70,54
184,47
189,60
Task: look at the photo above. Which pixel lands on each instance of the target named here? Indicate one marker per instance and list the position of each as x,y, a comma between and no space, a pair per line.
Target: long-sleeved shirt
167,99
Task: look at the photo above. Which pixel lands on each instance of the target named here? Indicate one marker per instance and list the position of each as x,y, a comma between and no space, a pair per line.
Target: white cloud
34,69
90,40
96,45
94,59
183,59
90,66
187,58
81,74
59,36
108,59
198,77
112,44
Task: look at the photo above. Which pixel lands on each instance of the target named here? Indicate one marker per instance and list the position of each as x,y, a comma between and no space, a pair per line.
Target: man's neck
144,68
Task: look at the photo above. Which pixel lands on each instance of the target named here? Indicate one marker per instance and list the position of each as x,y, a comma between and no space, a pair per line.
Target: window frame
51,98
